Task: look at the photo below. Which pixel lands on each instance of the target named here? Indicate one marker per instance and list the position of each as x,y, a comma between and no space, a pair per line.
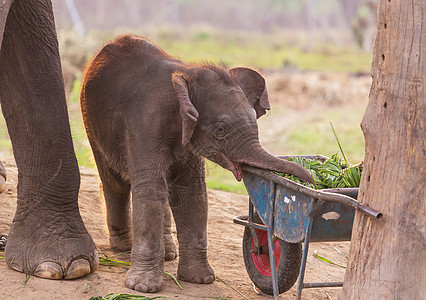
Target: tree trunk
388,257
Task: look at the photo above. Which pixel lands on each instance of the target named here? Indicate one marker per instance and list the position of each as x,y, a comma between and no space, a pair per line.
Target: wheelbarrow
282,215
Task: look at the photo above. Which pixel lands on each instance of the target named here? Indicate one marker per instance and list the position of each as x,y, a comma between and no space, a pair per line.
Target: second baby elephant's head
219,109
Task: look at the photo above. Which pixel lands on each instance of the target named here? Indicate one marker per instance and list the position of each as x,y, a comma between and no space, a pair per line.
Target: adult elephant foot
195,271
53,247
145,281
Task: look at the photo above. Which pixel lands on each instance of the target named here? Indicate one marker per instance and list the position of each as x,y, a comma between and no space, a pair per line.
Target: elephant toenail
197,280
140,287
77,269
130,284
170,256
209,279
49,270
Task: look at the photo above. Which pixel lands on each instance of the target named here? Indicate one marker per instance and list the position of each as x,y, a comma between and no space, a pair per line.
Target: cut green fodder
341,253
26,278
332,173
116,296
241,294
327,260
110,262
104,260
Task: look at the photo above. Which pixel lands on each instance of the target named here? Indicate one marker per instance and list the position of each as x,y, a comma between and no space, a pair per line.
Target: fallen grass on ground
218,178
111,262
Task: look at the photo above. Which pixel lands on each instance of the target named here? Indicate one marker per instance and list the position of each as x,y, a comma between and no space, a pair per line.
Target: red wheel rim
262,262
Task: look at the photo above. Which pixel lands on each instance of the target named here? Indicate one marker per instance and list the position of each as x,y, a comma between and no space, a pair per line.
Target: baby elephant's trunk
264,160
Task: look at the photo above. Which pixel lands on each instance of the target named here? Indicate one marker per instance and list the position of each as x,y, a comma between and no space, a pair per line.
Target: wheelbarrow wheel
287,261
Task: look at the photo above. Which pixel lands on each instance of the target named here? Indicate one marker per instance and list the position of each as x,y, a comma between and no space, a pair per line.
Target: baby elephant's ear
254,87
188,112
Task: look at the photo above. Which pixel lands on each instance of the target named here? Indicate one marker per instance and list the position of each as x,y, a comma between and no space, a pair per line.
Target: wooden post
388,257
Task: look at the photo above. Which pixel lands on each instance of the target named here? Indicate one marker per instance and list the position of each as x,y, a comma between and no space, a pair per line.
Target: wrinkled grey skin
151,120
47,237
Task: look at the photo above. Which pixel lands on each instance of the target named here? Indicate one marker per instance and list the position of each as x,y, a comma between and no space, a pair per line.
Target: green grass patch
218,178
81,144
263,53
74,96
312,134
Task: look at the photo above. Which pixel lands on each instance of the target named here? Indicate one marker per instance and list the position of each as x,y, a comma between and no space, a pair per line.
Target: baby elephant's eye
220,131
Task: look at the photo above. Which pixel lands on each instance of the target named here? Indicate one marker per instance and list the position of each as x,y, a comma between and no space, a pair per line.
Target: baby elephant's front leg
188,200
146,272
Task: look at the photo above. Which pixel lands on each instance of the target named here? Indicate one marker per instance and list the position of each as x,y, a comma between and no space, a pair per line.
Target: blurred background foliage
314,54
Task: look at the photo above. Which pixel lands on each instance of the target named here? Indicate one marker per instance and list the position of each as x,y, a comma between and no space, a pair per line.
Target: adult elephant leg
188,201
149,196
47,237
170,251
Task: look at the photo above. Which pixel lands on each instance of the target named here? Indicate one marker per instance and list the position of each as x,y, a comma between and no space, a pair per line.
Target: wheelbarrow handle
370,212
327,196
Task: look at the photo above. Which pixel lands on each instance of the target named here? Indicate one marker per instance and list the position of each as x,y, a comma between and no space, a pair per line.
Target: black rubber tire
287,269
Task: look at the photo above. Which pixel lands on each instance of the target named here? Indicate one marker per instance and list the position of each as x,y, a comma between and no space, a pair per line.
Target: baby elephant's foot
144,281
196,272
170,249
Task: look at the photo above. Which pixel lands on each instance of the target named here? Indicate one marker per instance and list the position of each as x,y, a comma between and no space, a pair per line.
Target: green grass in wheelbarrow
332,173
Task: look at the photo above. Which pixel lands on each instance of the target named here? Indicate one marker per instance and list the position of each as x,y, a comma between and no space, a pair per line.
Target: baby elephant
151,120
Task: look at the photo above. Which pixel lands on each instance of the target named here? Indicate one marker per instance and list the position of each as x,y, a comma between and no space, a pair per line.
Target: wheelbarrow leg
273,267
304,258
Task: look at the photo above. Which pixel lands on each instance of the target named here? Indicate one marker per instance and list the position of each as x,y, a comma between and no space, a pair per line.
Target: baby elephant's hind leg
117,200
118,217
170,250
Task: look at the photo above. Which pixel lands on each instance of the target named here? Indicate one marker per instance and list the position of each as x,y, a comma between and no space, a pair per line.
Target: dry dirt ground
224,246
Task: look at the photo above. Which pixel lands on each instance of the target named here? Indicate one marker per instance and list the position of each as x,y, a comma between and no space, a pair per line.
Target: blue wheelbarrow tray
295,213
